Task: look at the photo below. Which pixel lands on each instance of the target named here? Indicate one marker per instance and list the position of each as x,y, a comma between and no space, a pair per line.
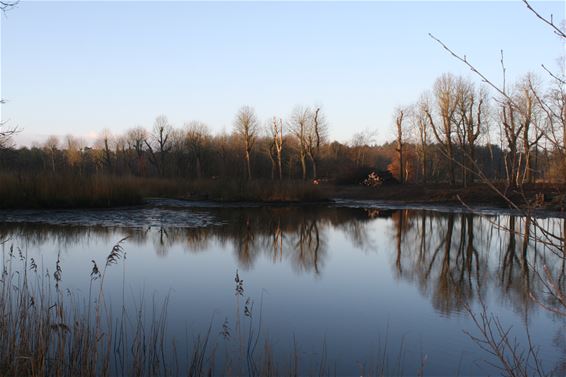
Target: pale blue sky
79,67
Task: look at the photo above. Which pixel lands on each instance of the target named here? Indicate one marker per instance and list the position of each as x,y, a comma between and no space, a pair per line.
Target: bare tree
446,101
159,143
73,153
246,126
512,131
420,126
311,130
50,146
120,153
222,144
470,123
300,124
553,104
529,116
275,130
135,138
268,145
519,117
399,116
196,137
360,145
105,140
315,136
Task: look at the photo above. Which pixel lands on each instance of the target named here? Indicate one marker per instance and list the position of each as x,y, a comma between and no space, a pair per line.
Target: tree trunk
304,167
248,165
199,174
424,169
279,166
53,162
313,163
450,156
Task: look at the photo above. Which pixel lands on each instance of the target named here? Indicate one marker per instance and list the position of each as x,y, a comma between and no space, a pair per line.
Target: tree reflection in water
451,257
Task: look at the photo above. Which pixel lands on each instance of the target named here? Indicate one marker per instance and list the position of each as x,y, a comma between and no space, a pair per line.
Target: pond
349,288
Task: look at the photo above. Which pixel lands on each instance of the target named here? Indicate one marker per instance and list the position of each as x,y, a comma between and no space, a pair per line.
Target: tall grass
46,330
255,190
67,191
76,191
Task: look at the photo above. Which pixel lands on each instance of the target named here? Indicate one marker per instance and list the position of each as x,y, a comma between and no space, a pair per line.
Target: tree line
454,133
522,129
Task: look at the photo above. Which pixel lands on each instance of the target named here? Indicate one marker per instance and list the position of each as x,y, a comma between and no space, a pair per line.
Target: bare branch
561,81
7,5
549,22
472,68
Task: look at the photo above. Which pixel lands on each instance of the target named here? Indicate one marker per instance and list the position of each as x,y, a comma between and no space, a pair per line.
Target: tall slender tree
246,127
443,129
159,143
399,116
300,125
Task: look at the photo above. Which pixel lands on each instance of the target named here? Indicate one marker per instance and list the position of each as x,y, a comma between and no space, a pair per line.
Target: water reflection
440,254
451,257
454,258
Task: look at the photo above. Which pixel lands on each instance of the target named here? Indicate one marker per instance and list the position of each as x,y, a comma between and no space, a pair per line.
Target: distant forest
456,133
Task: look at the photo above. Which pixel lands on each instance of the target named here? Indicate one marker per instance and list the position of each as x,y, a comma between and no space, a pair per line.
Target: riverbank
48,191
535,196
539,196
71,191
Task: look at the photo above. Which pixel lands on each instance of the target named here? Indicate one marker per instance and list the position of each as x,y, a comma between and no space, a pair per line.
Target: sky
78,67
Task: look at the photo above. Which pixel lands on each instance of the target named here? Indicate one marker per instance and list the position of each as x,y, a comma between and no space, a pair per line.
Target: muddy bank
539,196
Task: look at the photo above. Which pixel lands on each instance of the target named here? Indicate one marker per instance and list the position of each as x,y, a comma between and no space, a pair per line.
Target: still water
356,285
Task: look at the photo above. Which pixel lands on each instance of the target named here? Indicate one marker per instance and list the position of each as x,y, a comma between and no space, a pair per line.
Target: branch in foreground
7,5
464,60
549,22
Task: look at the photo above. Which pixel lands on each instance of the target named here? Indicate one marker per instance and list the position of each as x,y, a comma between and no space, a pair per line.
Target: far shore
539,196
48,192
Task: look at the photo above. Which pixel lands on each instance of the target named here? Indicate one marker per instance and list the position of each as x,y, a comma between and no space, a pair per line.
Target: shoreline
384,206
539,197
443,207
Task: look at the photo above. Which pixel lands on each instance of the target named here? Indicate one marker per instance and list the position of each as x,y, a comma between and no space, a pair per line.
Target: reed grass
67,191
46,330
256,191
102,191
